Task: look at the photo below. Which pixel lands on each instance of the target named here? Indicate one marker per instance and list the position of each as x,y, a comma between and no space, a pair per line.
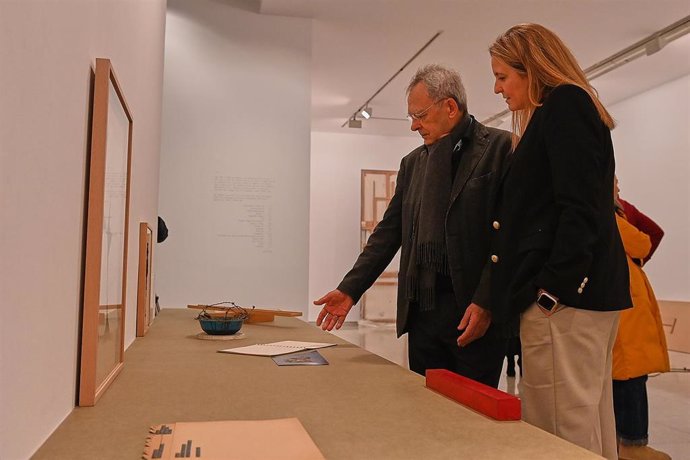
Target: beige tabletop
360,406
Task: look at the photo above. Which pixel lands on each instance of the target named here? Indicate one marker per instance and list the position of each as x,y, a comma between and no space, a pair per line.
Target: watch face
546,301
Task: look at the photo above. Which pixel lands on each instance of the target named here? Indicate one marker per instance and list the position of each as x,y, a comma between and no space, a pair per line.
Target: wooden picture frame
105,271
145,302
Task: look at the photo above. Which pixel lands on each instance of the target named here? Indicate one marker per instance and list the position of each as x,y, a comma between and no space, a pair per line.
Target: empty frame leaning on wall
105,274
145,301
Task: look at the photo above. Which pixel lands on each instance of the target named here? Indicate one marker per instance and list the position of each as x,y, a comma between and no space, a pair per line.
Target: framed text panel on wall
105,273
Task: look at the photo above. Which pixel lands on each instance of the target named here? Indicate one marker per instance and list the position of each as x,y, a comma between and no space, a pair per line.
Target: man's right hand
336,306
474,323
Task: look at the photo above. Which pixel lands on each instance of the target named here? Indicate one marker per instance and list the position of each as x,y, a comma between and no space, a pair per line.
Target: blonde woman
557,259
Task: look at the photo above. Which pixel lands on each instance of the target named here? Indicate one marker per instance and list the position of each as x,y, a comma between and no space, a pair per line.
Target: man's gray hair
441,82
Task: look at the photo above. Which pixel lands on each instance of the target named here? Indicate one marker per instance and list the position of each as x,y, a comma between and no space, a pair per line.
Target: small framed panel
377,190
105,273
145,305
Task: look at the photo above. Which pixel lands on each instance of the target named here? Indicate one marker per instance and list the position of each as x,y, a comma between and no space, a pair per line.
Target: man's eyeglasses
421,114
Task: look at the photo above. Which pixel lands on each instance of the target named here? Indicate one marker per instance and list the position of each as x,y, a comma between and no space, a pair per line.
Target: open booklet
276,348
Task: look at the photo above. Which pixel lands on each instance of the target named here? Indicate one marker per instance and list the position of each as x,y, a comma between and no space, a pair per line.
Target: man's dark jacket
466,224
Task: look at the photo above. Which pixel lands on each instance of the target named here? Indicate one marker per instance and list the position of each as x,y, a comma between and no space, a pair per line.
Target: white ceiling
357,45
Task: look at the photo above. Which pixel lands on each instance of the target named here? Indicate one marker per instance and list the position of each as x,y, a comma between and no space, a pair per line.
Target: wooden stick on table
256,315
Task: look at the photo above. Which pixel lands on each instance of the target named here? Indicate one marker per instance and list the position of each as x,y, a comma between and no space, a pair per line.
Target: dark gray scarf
432,181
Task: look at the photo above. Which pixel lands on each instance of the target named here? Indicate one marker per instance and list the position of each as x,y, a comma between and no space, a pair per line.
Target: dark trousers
432,344
632,410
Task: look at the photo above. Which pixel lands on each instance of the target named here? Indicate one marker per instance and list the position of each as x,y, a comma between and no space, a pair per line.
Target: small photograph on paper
302,358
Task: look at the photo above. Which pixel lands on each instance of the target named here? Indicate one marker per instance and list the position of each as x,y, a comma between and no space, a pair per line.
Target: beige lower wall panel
676,318
380,302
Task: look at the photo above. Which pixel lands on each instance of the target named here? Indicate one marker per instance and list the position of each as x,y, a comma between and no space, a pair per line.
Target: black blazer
555,214
467,240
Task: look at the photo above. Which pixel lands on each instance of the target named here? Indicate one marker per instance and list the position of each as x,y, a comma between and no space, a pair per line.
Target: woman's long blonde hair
537,52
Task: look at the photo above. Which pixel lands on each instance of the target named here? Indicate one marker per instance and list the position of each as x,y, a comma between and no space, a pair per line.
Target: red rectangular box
487,400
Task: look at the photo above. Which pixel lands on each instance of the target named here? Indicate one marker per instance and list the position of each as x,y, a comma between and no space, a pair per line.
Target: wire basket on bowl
226,322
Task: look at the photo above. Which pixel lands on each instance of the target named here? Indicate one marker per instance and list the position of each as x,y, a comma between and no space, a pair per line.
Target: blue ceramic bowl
221,326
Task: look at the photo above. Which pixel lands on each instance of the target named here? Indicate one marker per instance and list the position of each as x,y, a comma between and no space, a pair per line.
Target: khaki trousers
566,387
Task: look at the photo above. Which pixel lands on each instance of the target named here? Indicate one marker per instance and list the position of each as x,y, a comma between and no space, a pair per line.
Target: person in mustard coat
640,347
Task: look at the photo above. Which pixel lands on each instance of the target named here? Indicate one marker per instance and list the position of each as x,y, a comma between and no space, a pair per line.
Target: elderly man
438,215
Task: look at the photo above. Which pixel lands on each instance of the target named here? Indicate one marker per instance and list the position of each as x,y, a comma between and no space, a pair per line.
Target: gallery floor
669,394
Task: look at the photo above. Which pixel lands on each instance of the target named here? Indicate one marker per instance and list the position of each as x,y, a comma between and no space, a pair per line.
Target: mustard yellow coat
640,347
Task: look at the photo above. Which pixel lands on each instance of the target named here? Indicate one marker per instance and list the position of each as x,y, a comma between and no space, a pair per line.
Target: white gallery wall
337,161
652,143
234,157
47,52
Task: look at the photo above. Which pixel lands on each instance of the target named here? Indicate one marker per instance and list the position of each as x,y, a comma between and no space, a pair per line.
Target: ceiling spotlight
354,123
364,110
